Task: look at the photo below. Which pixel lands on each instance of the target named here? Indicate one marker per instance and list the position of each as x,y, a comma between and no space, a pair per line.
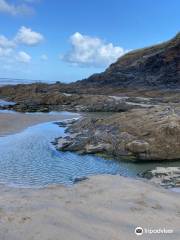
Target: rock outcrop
165,176
46,102
139,134
152,67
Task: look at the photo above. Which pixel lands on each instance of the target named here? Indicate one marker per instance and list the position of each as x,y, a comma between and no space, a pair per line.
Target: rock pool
29,159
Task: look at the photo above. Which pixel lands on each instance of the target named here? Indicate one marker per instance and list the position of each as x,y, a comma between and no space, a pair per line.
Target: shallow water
4,103
28,159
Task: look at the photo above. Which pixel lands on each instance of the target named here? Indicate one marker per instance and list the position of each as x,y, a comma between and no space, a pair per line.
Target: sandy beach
89,120
14,122
104,207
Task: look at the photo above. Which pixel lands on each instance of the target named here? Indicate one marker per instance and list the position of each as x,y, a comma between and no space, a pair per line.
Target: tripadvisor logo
139,231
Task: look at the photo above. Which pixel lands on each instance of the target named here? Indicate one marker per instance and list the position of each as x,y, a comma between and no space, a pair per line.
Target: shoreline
22,121
101,207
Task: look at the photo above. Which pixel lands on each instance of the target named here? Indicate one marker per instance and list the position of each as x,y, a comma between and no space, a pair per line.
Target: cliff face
157,66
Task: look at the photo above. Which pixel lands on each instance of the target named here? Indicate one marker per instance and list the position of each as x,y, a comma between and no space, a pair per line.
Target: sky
68,40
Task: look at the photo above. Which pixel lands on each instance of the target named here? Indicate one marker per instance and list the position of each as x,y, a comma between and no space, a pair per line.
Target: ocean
14,81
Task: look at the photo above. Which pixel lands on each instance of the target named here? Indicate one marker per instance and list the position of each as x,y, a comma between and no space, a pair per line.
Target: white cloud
27,36
13,9
5,42
23,57
24,36
91,51
6,46
44,57
10,52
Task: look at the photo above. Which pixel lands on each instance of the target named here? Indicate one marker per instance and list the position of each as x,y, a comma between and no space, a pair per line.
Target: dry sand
15,122
102,208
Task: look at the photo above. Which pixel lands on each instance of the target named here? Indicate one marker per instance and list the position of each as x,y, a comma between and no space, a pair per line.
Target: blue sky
68,40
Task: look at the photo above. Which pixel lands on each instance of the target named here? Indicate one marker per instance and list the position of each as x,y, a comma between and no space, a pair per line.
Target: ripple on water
4,103
28,159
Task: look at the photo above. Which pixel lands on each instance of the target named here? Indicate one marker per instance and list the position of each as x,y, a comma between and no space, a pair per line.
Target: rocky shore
168,177
139,134
40,98
138,97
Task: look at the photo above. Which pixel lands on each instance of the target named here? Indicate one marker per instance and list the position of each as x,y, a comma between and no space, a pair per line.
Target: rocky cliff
155,67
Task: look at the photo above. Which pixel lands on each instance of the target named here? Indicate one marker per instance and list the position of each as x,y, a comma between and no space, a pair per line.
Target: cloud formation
5,42
6,46
15,9
28,37
24,36
91,51
10,49
23,57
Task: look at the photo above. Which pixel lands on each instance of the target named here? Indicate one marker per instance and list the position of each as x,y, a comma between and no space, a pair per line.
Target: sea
14,81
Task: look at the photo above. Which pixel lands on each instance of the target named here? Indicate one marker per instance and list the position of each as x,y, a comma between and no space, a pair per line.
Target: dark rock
79,179
152,67
66,123
164,176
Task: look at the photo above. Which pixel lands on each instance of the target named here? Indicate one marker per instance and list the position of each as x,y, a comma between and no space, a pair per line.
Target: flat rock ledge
38,101
139,134
167,177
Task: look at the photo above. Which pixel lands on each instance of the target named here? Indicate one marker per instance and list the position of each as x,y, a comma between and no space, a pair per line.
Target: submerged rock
79,179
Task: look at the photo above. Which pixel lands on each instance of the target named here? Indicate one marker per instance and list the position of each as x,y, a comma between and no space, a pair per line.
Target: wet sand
15,122
103,208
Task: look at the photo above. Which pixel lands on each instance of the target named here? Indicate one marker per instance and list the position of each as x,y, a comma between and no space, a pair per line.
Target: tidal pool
29,159
4,103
